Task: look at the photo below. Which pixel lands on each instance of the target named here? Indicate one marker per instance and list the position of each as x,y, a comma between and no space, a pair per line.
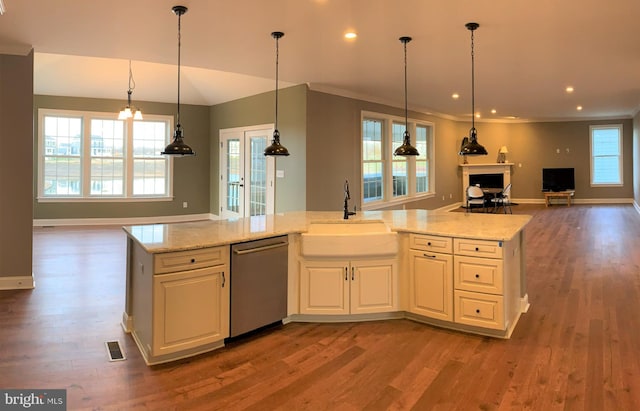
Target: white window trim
387,160
620,151
41,198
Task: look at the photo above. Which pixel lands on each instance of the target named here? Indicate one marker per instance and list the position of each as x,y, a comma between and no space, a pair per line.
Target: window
606,155
85,155
388,179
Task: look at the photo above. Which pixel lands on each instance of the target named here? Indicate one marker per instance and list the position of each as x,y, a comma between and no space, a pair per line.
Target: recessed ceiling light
477,115
2,8
350,35
455,96
569,89
579,108
494,111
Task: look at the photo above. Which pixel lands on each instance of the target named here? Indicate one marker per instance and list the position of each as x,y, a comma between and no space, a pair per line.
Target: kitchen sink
343,238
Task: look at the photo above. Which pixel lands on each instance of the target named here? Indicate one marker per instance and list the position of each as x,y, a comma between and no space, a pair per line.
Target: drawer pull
193,260
429,256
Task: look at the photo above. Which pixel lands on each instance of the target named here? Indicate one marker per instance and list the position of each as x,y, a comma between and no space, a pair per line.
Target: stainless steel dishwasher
258,284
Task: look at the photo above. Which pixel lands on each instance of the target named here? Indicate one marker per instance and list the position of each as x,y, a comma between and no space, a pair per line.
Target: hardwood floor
578,347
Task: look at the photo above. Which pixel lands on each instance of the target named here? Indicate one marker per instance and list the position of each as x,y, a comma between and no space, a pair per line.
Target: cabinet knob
477,249
478,311
193,260
429,243
477,275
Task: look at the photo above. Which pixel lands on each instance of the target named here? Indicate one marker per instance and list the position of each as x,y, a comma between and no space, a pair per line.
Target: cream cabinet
486,275
431,276
181,304
348,286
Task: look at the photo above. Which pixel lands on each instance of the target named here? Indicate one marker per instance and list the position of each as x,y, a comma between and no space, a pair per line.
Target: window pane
107,138
62,176
371,140
149,177
399,164
149,166
62,142
258,194
107,177
372,181
606,155
422,164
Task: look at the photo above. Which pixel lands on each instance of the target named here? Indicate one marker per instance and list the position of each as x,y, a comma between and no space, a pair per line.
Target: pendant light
276,149
406,149
127,112
177,146
473,148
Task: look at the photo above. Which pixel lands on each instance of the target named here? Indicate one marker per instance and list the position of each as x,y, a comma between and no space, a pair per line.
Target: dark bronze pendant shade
276,149
178,146
472,148
406,149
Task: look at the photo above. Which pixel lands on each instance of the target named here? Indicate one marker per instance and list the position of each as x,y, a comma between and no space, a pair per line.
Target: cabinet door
324,287
431,285
374,286
191,308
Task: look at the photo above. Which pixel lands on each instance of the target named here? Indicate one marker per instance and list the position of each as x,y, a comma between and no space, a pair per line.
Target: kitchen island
455,270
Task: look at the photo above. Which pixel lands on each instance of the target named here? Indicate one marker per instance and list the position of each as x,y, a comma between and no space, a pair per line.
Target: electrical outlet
442,198
185,204
450,196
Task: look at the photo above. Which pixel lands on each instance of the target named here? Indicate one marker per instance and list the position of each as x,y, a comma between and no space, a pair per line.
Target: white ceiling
526,52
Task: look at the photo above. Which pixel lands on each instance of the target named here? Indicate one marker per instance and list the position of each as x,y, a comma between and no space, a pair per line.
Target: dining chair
504,199
475,196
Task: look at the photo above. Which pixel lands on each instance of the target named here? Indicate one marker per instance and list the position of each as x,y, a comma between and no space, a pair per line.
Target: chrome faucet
347,197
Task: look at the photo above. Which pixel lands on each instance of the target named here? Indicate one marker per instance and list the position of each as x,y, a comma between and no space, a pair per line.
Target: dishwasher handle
258,249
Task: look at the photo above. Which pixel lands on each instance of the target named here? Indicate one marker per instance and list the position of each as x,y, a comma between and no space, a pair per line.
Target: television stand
558,194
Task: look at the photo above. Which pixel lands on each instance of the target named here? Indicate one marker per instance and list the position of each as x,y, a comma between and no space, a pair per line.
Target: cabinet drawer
431,243
478,274
477,248
478,309
190,259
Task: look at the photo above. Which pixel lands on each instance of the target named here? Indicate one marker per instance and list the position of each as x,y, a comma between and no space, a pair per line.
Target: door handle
346,274
353,273
224,280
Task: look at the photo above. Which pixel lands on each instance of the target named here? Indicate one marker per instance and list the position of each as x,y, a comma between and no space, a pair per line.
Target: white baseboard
52,222
524,303
22,282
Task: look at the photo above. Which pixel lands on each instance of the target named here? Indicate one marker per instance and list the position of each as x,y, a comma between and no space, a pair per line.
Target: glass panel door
246,174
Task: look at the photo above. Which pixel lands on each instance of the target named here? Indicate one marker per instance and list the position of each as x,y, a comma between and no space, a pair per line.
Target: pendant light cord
277,60
179,43
473,87
406,109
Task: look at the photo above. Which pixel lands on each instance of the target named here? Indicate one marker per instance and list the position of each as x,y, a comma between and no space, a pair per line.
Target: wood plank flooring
578,348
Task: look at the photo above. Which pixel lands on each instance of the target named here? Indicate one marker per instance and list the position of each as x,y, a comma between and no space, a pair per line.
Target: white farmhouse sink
349,239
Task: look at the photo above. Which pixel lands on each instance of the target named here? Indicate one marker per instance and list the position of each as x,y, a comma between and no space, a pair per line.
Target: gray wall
533,146
334,152
16,171
334,129
191,174
292,120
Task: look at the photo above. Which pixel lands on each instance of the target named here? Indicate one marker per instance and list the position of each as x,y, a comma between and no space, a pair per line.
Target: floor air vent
114,351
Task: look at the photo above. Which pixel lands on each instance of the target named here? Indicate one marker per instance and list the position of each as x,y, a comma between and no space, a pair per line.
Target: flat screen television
558,179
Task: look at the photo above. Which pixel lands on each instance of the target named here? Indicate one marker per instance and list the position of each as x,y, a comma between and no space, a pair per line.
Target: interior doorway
246,175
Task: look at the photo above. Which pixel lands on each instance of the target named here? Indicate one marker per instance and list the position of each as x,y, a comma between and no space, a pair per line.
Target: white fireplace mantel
488,168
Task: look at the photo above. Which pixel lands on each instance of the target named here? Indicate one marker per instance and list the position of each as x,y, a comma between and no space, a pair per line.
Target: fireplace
487,180
495,175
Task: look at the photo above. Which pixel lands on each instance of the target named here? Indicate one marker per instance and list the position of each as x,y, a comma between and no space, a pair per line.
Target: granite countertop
159,238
